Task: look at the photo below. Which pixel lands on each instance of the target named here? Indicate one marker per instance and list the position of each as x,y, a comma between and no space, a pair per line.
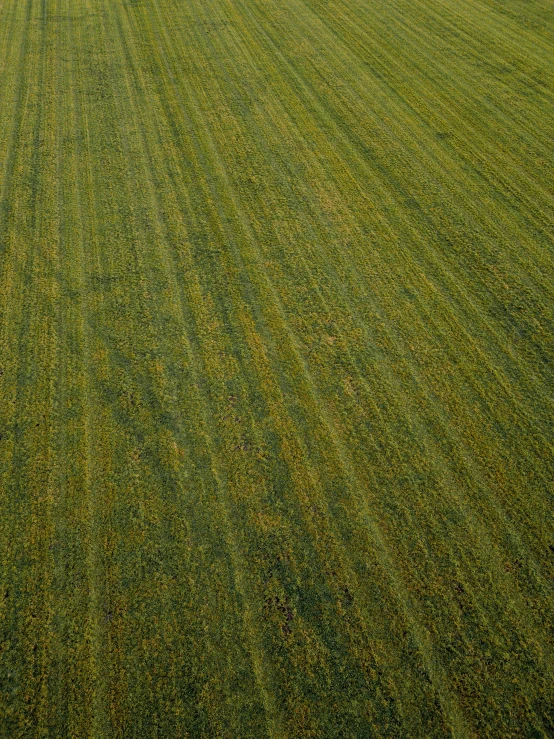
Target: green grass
276,369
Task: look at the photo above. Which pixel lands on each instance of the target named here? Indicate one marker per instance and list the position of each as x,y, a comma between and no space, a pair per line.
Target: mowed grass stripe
84,271
28,495
61,687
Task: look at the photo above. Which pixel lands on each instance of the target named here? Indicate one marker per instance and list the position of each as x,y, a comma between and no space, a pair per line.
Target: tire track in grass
46,224
87,695
11,256
29,490
70,686
96,483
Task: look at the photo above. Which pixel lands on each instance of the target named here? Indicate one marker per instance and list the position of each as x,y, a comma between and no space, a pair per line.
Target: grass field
276,369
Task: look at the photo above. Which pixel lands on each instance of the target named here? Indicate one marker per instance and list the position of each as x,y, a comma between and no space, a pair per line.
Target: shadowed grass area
276,369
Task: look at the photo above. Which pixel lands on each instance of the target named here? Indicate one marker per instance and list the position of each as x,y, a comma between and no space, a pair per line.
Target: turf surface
276,369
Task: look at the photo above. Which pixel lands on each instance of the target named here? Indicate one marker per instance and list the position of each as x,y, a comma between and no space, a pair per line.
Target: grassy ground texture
276,369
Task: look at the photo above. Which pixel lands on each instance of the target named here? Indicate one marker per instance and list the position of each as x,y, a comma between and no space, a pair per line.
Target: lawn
276,369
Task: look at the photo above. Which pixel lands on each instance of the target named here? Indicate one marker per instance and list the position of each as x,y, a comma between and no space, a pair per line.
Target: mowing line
96,637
